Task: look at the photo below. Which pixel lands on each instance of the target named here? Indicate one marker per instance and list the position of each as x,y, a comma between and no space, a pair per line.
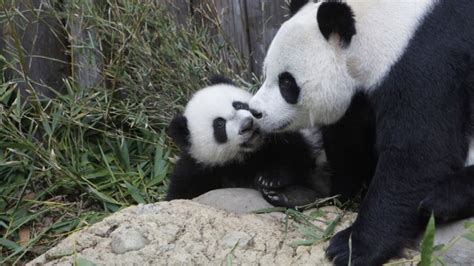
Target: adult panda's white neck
384,30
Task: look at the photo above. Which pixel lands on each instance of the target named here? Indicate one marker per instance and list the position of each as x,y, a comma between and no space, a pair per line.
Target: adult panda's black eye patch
240,105
288,88
220,134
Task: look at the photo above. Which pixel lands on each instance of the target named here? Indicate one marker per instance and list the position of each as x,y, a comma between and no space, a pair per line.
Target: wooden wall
43,45
248,25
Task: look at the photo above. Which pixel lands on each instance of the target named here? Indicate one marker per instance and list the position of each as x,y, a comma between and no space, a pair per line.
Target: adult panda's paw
338,250
348,246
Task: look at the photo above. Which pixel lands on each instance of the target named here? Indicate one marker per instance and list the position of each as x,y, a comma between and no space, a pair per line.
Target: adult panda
221,146
412,59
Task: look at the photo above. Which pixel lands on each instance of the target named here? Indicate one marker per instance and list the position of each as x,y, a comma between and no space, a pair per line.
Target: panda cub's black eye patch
240,105
220,133
289,90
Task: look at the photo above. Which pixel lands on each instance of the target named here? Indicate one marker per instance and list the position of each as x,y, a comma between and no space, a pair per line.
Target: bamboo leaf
135,193
9,244
104,197
427,244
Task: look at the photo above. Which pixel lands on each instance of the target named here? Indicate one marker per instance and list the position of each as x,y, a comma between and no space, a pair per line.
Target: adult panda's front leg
388,218
416,151
452,199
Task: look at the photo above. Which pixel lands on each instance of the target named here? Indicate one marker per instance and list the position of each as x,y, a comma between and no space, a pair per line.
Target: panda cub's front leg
289,174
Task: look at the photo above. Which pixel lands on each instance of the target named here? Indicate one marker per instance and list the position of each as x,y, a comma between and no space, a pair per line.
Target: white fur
384,29
326,73
206,105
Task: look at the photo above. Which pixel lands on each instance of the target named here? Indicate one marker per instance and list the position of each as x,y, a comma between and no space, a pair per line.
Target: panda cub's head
217,126
306,79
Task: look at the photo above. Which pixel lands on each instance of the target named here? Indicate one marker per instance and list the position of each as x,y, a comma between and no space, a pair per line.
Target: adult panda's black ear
295,5
336,17
219,79
179,132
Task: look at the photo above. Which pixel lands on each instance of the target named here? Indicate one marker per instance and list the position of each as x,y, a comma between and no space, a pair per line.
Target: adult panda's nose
256,113
246,126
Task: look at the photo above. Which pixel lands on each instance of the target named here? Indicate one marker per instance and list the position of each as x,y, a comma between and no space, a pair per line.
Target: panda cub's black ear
179,132
219,79
295,5
336,17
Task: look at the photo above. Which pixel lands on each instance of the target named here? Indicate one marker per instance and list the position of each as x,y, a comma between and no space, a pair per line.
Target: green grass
69,161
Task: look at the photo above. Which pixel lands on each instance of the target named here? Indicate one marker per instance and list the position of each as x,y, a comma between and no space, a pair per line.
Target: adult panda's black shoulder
222,146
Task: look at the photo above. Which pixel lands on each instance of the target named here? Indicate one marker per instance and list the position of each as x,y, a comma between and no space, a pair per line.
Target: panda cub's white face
220,125
306,80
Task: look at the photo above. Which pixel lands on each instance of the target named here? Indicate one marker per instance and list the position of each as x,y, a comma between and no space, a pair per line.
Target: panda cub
222,146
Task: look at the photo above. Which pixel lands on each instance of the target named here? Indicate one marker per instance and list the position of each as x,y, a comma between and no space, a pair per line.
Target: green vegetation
431,254
313,234
68,161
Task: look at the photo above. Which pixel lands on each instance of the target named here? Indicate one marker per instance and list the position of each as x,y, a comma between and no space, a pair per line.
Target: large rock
186,232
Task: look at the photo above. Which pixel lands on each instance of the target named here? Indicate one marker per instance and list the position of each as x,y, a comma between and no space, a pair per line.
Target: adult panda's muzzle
246,126
256,114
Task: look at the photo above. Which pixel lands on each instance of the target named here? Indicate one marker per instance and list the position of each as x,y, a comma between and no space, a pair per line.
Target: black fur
336,17
219,79
220,133
350,151
422,112
452,199
255,113
178,131
288,88
285,156
240,105
296,5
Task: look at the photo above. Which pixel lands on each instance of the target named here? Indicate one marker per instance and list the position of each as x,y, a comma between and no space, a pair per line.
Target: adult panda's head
306,78
217,126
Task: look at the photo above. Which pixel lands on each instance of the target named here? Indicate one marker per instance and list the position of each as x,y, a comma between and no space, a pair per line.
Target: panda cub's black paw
269,183
291,196
276,198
